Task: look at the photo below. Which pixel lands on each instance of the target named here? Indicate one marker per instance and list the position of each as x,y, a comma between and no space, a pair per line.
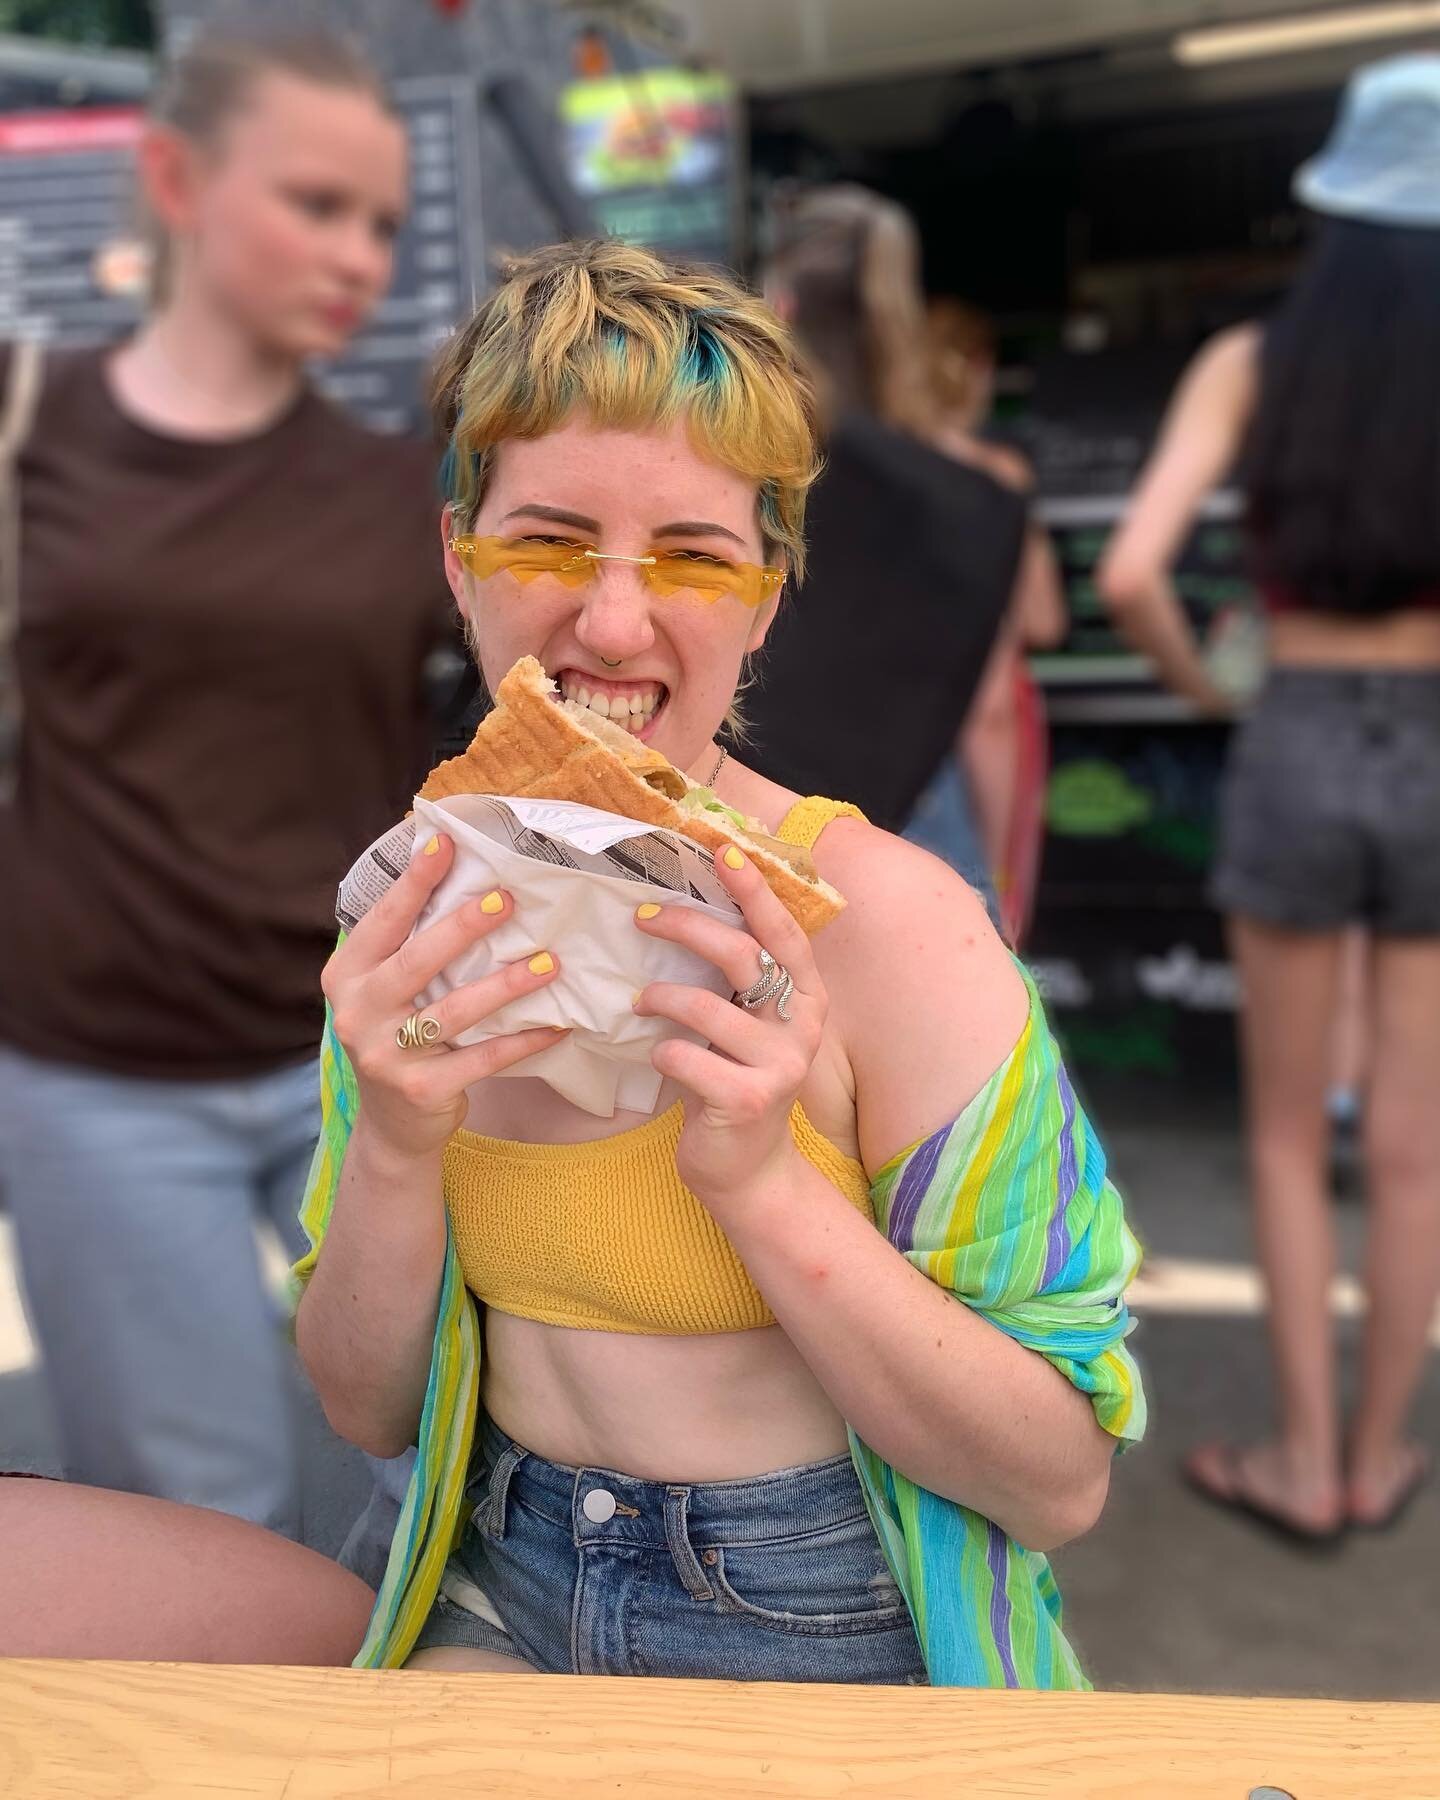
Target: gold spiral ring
418,1032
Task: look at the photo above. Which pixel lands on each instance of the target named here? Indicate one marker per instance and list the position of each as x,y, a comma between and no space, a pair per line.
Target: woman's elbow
1123,584
1074,1513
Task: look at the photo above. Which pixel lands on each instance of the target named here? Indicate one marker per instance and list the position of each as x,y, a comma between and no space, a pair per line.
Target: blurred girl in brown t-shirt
228,591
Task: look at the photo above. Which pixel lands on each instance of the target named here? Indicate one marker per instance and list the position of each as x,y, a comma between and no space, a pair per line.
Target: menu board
68,267
72,271
655,154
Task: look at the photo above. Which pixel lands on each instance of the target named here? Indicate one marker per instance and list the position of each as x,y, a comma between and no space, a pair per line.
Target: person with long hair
227,593
897,513
1331,812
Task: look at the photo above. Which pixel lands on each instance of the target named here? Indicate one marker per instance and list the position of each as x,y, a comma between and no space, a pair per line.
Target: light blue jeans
591,1572
134,1204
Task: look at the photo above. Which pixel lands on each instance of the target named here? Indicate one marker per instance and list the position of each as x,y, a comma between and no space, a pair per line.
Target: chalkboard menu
66,205
70,272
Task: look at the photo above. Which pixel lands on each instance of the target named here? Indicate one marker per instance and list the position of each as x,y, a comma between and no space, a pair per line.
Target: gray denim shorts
589,1572
1331,809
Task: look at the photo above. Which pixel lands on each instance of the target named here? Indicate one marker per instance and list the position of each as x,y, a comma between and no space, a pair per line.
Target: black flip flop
1401,1504
1296,1537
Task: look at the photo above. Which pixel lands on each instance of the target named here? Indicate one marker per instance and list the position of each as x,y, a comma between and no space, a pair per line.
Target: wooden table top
114,1731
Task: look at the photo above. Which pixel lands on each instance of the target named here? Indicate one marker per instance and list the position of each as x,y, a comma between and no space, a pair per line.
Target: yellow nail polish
636,997
541,964
733,859
648,911
492,903
432,848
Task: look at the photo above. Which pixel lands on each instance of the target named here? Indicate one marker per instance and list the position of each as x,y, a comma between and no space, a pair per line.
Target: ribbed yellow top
604,1235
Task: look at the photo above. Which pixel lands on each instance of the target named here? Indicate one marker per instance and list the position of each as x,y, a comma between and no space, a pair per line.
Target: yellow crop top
603,1235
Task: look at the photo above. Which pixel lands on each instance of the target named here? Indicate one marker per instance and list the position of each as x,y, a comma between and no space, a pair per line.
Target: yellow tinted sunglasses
681,572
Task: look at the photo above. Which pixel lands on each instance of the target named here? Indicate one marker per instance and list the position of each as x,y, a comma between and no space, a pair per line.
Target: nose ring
612,665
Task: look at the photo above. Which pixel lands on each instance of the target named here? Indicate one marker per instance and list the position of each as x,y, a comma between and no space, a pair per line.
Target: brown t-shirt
220,653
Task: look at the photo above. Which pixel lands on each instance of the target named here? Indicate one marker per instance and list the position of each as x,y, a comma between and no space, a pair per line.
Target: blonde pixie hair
631,341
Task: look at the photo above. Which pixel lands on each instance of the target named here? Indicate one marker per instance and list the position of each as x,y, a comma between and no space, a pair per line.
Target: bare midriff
1400,640
659,1408
718,1407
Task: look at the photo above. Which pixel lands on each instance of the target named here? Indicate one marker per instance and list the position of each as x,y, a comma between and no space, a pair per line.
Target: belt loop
677,1536
489,1515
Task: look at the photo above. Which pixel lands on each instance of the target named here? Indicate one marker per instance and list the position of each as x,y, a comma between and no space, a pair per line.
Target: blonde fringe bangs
633,342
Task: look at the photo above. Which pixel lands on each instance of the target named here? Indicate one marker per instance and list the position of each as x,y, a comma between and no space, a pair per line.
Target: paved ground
1167,1594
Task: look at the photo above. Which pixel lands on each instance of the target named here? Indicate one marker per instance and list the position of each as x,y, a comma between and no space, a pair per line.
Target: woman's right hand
413,1100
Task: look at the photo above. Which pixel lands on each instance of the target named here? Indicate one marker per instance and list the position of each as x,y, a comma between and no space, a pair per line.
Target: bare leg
1402,1154
1350,1069
1290,984
474,1662
87,1572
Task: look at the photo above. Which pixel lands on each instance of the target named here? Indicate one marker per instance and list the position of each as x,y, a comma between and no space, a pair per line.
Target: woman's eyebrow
557,515
697,528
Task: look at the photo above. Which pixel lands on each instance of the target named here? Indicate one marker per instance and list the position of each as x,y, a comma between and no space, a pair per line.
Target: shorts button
598,1505
711,1558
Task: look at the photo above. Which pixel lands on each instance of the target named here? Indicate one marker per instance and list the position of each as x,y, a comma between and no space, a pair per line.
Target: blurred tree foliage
125,23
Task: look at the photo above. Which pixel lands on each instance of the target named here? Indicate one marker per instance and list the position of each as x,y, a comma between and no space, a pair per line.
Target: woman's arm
365,1328
929,1005
1198,444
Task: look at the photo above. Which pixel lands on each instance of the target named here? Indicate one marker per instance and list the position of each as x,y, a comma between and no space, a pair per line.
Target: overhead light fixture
1304,31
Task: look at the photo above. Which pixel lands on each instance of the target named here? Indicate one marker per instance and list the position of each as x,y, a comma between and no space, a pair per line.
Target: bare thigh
1291,986
1402,1136
474,1662
87,1572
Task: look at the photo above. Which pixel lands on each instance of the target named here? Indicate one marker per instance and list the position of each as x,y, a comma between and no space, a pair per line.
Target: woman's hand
742,1087
413,1100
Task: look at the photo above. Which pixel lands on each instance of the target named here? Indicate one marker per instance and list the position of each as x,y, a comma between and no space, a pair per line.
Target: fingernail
541,964
733,859
492,903
636,998
648,911
559,1027
432,848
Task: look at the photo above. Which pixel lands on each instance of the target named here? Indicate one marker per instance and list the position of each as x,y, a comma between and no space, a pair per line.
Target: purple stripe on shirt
905,1206
996,1558
1057,1245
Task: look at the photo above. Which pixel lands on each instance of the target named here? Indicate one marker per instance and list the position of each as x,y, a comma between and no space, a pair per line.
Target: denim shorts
1331,810
589,1572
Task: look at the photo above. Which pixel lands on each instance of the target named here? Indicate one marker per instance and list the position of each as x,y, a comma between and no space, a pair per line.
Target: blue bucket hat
1381,163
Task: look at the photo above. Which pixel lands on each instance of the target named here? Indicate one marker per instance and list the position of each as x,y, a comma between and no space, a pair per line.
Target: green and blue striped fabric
1008,1208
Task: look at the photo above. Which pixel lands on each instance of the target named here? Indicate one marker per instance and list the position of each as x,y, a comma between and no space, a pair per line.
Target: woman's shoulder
1228,361
405,453
926,999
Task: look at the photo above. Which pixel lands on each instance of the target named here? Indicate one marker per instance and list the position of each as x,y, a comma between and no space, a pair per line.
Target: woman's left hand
743,1085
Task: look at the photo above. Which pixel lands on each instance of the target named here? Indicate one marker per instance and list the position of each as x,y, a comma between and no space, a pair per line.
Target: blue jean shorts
589,1572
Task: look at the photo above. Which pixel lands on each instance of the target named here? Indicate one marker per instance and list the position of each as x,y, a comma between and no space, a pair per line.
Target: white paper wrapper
577,875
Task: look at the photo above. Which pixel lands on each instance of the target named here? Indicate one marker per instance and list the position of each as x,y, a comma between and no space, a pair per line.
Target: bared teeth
634,710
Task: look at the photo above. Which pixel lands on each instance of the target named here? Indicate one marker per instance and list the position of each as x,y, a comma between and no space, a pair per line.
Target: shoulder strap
807,818
22,395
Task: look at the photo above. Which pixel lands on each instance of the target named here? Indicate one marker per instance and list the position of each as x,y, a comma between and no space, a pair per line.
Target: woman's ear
169,172
456,573
764,619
